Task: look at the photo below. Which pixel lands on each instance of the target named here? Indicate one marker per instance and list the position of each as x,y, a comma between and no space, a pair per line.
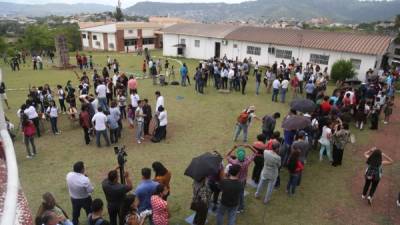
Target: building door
217,53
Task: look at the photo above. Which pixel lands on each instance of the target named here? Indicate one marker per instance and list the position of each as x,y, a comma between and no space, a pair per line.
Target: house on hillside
267,45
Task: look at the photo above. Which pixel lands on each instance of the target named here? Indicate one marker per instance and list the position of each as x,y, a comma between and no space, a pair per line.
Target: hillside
339,10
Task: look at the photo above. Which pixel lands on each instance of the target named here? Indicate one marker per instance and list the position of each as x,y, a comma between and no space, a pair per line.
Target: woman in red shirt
159,206
29,131
295,168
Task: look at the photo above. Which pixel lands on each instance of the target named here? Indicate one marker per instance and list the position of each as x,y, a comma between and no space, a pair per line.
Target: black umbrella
203,166
296,122
303,105
352,82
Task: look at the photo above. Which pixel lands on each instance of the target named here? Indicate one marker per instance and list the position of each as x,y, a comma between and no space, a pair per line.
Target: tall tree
118,15
397,21
3,45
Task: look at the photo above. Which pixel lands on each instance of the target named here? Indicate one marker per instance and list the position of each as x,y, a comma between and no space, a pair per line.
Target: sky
125,3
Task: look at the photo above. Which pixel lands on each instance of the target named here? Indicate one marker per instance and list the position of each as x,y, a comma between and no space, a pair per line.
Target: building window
94,37
197,43
111,45
397,51
356,63
271,50
183,41
97,43
130,31
284,54
319,59
234,45
83,36
130,42
251,50
148,41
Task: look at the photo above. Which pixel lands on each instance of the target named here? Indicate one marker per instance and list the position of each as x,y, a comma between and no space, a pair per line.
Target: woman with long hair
52,112
340,138
160,213
129,212
373,174
295,167
29,131
362,111
49,204
162,176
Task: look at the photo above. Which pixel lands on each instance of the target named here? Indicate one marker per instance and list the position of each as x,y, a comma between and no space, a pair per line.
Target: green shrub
342,70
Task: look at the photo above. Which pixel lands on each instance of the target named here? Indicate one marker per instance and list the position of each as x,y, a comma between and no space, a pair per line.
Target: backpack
98,222
243,117
373,173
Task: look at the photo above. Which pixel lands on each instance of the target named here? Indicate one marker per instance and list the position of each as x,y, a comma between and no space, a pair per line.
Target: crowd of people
103,111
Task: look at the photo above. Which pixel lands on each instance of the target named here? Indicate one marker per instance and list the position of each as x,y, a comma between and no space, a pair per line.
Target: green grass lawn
197,123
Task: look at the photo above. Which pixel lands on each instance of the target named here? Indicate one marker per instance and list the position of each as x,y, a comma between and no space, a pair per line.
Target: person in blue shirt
112,123
145,190
184,72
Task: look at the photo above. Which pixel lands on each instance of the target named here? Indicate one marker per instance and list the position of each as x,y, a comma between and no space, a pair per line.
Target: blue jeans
257,87
239,128
53,121
328,150
231,211
275,93
270,187
104,133
103,104
283,94
292,183
139,130
241,197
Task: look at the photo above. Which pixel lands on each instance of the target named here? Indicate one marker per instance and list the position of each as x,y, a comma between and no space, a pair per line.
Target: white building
267,45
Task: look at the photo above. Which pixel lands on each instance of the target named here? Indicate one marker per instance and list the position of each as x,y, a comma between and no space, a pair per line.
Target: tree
342,70
397,21
37,38
118,15
3,45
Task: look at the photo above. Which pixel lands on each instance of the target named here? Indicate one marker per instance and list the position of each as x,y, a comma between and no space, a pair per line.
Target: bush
342,70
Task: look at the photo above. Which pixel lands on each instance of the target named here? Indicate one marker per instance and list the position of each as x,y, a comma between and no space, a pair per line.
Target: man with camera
115,194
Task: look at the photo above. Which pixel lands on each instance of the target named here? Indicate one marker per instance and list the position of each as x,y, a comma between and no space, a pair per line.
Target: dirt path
384,209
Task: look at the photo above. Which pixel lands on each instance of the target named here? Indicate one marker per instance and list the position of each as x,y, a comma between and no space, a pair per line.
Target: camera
121,155
121,159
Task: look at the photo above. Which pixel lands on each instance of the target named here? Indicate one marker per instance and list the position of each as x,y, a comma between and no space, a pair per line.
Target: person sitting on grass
49,204
96,217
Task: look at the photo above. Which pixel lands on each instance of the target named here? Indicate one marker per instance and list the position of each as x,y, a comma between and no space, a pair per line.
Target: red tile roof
333,41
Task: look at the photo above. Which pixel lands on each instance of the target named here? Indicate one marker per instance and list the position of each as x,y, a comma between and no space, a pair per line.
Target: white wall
206,49
132,35
111,40
85,41
100,39
147,33
367,61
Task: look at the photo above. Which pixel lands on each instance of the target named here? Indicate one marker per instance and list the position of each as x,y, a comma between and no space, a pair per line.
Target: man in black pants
115,195
79,188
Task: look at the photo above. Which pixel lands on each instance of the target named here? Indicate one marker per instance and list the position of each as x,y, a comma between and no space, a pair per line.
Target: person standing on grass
61,99
101,92
99,121
339,139
270,171
258,81
373,174
115,194
284,88
112,125
160,212
116,114
276,84
244,163
325,142
145,190
52,111
309,88
268,125
231,190
184,73
80,188
121,104
295,83
243,122
132,84
30,111
134,101
295,167
147,111
84,121
29,131
243,79
96,217
388,110
3,95
139,117
260,146
200,201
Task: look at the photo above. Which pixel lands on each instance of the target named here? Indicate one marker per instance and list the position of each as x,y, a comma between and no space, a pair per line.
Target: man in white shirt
300,76
159,100
284,87
275,89
134,101
30,111
79,188
139,122
99,121
101,91
161,130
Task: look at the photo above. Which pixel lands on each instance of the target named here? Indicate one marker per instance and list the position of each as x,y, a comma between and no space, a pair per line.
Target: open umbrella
303,105
203,166
352,82
296,122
